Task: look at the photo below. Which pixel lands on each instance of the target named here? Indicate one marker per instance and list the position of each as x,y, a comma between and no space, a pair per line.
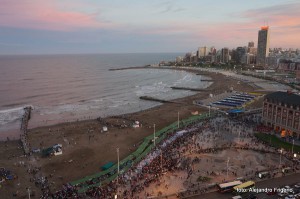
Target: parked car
297,185
290,197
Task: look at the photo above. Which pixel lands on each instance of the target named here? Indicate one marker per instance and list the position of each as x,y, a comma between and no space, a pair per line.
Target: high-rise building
213,50
225,55
251,44
240,52
262,46
202,52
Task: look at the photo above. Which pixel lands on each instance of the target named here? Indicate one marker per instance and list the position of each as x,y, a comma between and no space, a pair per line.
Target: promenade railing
104,177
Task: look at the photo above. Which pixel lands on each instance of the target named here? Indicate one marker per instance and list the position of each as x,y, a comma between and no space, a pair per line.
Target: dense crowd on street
170,156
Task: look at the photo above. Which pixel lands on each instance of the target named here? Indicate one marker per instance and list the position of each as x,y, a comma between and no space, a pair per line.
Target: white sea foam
11,115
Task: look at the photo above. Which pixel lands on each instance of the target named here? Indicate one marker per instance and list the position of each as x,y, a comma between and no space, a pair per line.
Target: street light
28,190
227,167
293,146
154,134
280,156
178,120
118,160
161,159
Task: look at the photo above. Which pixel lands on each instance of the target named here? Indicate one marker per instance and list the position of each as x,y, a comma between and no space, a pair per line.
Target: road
271,183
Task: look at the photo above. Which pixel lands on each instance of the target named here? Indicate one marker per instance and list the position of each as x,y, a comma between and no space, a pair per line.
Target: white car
290,197
237,197
282,194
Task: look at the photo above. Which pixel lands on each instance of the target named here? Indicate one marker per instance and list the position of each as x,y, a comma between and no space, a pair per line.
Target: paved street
272,183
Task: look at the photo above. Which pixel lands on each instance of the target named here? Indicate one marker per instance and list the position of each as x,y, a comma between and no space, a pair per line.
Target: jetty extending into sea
189,89
23,129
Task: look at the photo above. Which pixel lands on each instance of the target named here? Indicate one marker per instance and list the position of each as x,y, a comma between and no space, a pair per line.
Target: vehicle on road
244,187
228,186
237,197
290,197
264,174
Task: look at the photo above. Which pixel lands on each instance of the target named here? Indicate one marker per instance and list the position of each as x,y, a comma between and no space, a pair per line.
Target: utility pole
280,157
161,159
154,138
28,190
227,167
178,120
118,160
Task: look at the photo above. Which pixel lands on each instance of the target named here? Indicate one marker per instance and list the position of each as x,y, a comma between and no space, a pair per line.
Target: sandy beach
86,148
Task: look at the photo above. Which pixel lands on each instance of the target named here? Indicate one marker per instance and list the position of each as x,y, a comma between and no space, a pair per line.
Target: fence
142,151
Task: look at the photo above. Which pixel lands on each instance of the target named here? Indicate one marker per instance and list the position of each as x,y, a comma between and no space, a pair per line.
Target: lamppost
161,159
227,167
154,135
295,156
293,147
118,156
118,150
28,191
178,120
280,157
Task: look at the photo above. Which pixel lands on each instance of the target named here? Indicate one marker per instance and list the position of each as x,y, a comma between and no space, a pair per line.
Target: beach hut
104,129
57,151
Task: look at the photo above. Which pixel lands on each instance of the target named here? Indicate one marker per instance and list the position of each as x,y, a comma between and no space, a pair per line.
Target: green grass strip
274,141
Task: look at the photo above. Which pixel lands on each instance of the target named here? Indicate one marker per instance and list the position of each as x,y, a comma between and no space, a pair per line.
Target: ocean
64,88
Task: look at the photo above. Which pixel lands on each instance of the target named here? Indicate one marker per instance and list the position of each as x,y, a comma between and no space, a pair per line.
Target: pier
206,80
156,100
126,68
189,89
23,129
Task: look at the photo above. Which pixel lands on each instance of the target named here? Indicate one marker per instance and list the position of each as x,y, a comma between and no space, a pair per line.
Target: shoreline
14,132
210,88
86,148
162,102
194,71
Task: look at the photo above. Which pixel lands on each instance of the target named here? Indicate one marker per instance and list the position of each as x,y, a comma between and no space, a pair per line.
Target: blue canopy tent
107,166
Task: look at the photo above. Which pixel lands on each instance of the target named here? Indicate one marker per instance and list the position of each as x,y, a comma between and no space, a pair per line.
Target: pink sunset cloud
46,15
283,20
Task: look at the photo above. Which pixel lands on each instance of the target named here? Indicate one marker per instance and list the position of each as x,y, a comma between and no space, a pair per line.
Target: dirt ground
86,148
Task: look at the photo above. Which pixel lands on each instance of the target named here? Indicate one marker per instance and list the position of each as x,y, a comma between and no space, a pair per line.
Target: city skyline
263,46
59,27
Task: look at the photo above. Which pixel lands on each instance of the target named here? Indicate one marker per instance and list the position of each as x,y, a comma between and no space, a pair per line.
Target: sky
132,26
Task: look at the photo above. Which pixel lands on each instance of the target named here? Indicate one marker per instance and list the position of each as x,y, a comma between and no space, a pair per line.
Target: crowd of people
171,156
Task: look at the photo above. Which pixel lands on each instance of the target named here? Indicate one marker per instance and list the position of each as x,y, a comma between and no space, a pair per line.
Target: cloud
169,6
47,15
284,22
